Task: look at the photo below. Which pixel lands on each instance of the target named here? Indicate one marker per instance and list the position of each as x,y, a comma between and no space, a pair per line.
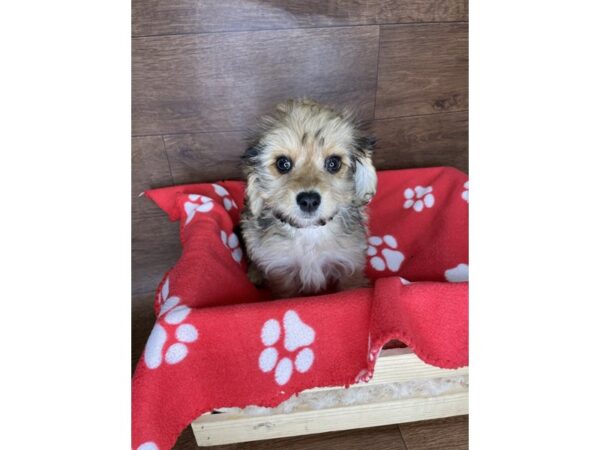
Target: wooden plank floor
157,17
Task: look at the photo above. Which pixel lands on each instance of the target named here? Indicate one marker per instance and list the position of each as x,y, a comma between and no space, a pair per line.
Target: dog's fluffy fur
298,252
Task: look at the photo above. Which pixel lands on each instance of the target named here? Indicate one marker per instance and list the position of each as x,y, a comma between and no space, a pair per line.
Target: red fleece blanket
219,342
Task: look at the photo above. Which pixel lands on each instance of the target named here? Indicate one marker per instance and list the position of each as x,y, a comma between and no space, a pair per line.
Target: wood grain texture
378,438
155,248
422,141
155,17
423,69
204,157
142,321
224,81
154,240
214,430
150,169
442,434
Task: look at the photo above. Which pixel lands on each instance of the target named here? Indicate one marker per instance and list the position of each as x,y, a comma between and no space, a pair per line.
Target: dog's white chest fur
312,257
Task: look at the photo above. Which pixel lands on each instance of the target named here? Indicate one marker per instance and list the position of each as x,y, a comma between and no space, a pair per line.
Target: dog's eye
284,164
333,164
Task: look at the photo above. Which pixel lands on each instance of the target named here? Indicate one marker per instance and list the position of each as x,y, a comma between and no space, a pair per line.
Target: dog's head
307,162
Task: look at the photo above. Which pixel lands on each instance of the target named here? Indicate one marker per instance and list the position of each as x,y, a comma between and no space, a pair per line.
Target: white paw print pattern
297,334
457,274
465,194
233,243
171,314
390,258
418,198
228,201
197,203
148,446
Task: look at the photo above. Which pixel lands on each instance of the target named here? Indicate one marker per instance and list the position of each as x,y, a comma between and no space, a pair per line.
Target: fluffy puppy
310,176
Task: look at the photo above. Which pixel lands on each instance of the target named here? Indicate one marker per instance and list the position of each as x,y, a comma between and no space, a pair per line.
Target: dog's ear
365,177
251,162
254,198
250,156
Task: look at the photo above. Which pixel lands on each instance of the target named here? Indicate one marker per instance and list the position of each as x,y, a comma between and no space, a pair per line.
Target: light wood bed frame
396,365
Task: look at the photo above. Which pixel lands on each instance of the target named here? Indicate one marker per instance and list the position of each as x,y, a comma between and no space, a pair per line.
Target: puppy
310,176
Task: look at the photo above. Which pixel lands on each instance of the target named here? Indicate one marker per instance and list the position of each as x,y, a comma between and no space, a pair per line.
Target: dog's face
307,163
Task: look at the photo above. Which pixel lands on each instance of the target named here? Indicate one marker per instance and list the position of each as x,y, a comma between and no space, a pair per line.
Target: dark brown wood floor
203,71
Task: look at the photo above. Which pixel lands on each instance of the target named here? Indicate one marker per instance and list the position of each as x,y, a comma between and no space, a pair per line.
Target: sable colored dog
310,177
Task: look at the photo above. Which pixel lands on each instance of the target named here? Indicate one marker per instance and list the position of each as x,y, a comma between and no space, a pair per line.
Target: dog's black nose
308,201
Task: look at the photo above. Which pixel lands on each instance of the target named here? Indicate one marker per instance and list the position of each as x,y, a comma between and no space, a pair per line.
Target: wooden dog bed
393,366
